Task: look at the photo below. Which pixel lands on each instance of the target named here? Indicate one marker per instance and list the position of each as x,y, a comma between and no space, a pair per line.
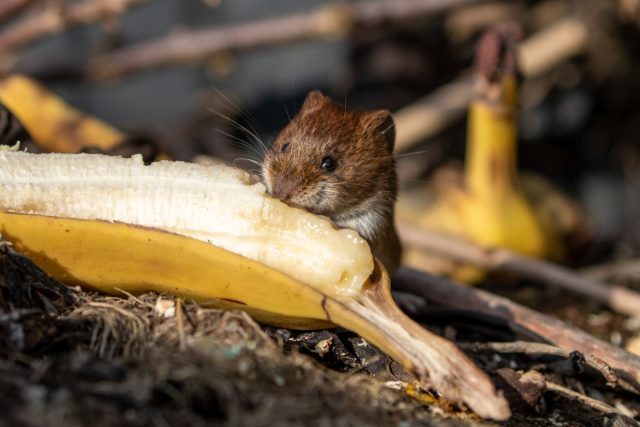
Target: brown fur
360,193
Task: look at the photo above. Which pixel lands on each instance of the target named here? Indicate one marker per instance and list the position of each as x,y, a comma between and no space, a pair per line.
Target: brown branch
581,398
324,23
540,349
55,18
618,298
537,54
433,113
545,49
8,8
616,269
449,294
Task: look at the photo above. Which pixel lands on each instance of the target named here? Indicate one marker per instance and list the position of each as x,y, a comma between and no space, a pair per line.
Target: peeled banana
218,239
219,205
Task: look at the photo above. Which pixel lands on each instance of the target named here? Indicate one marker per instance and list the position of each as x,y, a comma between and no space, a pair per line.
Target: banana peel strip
110,256
488,205
105,257
53,123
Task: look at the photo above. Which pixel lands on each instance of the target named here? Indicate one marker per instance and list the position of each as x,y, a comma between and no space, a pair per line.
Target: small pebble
633,345
165,308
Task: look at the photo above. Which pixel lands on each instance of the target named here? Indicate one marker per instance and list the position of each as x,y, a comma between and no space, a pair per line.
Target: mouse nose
282,191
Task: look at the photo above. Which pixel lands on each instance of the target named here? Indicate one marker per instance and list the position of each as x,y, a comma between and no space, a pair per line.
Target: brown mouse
339,163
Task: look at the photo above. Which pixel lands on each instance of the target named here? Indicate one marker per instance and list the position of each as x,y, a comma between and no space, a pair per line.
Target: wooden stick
444,292
581,398
616,269
327,22
54,19
540,349
436,111
618,298
544,50
8,8
433,113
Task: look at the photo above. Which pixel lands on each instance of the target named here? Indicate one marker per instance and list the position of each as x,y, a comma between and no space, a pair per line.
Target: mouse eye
284,147
328,164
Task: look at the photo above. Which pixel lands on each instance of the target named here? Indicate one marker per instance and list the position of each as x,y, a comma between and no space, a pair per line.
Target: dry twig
54,19
581,398
616,269
180,324
433,113
8,8
537,54
537,349
326,22
618,298
625,365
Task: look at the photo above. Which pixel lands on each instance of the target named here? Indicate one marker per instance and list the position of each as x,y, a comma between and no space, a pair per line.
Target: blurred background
208,80
182,72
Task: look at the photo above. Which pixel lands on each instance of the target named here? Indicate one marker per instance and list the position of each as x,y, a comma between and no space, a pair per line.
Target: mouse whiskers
414,153
249,129
257,142
245,145
245,159
286,110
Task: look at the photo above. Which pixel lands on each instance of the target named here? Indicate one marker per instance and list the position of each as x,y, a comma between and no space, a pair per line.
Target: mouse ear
314,100
380,123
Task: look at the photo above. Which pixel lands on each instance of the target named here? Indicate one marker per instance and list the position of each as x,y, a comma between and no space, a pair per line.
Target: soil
72,357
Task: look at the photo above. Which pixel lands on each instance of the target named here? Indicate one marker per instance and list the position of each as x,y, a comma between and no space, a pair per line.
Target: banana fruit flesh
84,219
219,205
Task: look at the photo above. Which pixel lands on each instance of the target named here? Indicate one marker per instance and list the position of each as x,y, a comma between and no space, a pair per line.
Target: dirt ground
71,357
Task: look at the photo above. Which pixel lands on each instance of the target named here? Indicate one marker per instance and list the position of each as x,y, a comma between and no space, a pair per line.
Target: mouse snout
283,190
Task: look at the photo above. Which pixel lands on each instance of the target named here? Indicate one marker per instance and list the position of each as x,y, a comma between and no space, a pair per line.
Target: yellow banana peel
489,205
109,256
53,124
62,211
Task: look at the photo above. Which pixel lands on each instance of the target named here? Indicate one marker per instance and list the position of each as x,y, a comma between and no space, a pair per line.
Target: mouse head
329,160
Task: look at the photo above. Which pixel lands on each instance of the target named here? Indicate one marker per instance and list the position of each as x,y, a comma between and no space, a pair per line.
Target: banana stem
491,165
376,318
